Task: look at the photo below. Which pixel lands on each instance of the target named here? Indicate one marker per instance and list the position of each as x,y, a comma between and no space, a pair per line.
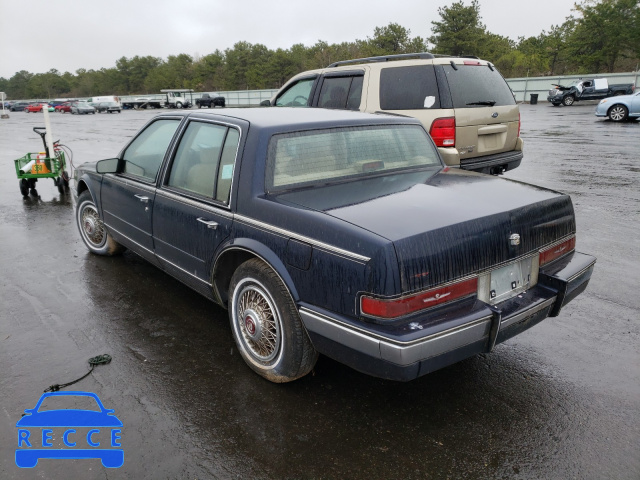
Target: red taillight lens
385,308
556,251
443,132
519,123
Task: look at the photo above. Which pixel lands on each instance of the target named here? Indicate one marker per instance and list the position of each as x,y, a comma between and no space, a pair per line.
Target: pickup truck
587,89
208,101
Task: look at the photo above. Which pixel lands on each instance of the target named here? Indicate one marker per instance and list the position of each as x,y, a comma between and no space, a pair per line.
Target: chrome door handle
142,198
209,223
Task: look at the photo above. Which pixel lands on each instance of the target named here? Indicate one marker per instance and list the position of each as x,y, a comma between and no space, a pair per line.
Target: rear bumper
488,164
428,342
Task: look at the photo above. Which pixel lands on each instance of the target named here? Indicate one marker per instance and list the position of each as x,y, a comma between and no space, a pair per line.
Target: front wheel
568,100
179,105
618,113
266,325
92,230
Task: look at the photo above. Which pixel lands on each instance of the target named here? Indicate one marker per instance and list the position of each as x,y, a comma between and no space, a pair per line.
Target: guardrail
521,87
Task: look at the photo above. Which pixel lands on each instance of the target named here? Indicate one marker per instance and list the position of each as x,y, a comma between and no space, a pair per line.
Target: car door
191,215
127,197
635,104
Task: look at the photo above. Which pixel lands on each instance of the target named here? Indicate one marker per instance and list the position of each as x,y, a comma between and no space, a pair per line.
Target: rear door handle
209,223
142,198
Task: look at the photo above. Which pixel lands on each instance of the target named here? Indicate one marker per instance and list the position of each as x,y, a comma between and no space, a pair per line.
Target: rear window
475,86
319,157
408,88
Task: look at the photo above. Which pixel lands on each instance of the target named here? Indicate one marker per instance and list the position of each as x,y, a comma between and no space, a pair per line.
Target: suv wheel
568,100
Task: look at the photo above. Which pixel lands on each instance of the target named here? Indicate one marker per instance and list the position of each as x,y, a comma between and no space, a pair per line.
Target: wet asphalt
560,401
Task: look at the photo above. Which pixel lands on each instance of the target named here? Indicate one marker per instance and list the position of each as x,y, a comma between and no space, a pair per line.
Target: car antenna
93,361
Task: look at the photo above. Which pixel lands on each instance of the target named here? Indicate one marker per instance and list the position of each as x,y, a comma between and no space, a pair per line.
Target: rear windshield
408,88
476,86
320,157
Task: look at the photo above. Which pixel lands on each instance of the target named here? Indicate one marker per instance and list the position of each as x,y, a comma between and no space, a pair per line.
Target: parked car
620,108
37,107
108,107
18,106
82,107
464,103
586,89
63,107
210,101
335,232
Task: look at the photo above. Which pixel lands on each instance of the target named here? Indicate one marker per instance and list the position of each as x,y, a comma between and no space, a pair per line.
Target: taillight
558,250
519,123
394,308
443,132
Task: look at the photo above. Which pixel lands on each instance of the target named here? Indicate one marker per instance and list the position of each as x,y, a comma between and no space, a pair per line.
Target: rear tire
93,232
266,325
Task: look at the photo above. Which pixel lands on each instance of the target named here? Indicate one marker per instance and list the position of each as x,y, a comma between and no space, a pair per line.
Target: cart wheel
65,178
24,187
60,183
34,192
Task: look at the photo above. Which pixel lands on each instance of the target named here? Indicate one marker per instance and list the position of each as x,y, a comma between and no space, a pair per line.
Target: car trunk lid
453,225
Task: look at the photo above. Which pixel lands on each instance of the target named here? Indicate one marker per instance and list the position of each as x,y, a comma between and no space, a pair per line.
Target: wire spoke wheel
266,325
258,321
92,227
93,232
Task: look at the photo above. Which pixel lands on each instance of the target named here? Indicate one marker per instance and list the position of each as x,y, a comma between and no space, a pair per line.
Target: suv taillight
519,123
443,132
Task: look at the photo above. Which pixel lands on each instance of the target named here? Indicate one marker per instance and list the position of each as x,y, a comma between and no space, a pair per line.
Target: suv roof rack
384,58
438,55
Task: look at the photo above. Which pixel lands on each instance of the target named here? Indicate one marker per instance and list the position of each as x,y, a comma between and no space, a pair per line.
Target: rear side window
409,88
204,161
474,86
341,92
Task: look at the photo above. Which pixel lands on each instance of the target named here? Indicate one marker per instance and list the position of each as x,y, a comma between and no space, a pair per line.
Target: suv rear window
475,85
408,88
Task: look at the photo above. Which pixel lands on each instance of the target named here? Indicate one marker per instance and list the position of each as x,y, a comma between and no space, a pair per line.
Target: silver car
82,107
619,108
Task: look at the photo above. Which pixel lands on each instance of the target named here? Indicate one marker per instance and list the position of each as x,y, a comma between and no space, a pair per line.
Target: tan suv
464,103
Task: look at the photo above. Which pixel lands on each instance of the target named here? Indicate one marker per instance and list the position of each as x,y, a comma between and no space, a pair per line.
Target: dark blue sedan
341,233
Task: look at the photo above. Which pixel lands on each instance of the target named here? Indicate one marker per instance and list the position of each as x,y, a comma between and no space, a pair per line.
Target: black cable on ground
99,360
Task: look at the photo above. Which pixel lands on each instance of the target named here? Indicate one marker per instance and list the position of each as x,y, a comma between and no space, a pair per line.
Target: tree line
601,36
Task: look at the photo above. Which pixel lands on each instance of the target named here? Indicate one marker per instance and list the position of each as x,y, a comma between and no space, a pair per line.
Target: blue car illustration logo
69,433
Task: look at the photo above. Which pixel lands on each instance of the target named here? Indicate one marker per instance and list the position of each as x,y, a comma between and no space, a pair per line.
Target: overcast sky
38,35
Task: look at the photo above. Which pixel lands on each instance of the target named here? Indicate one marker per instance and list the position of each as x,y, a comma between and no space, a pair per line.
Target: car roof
300,118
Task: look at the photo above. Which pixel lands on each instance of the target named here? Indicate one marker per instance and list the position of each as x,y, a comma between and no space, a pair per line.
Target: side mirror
265,103
109,165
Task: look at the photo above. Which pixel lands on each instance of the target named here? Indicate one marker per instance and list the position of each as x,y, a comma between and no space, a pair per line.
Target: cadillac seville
335,232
